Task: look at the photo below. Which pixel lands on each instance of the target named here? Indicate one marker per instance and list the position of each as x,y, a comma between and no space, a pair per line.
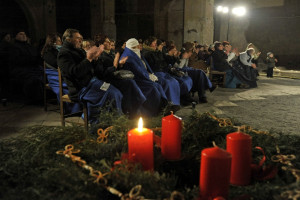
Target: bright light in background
225,10
239,11
220,8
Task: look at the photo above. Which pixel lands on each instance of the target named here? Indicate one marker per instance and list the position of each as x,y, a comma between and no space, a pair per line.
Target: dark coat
23,57
155,59
76,70
220,61
172,60
50,57
107,60
271,62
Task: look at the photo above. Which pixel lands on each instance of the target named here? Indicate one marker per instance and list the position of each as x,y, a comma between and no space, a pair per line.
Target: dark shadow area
277,29
73,14
12,15
134,19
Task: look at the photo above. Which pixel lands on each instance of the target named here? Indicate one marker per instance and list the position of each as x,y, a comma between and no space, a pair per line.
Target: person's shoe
186,100
203,100
244,86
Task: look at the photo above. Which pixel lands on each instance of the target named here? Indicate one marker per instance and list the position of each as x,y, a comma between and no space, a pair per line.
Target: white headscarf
133,43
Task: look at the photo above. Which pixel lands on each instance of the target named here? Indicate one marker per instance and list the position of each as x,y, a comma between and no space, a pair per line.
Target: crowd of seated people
134,77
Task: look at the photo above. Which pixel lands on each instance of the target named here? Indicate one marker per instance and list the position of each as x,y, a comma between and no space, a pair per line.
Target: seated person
180,60
231,53
25,69
152,51
169,84
133,98
50,50
246,69
234,74
49,54
144,77
196,60
79,70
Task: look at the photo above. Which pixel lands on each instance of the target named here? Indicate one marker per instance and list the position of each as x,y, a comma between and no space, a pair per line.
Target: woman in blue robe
141,69
153,91
133,97
156,60
201,82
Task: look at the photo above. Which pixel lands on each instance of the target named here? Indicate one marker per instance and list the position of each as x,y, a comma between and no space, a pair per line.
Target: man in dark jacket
220,58
25,70
220,63
79,70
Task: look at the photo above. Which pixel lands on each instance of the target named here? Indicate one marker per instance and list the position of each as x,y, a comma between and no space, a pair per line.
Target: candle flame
140,125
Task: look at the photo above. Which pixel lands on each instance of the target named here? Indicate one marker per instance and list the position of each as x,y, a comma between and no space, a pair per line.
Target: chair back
60,82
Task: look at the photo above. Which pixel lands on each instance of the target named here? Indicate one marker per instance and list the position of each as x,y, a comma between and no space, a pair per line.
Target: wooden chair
46,86
64,98
214,75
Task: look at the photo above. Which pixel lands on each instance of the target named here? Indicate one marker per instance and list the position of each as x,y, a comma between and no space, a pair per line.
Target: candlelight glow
140,125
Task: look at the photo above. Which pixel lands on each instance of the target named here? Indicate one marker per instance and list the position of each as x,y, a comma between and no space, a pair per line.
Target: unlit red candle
214,173
171,137
240,146
140,146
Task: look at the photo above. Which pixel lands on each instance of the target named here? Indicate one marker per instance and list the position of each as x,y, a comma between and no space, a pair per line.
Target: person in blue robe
146,80
155,58
141,69
201,82
133,97
78,71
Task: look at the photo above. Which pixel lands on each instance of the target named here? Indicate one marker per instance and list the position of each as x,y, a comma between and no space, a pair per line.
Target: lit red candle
171,137
214,173
240,146
140,146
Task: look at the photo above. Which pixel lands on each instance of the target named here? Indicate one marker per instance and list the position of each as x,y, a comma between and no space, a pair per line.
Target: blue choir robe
153,91
201,82
96,96
159,65
52,77
185,83
141,70
133,97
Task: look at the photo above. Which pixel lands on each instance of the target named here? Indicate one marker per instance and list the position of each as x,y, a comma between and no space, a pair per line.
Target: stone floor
275,104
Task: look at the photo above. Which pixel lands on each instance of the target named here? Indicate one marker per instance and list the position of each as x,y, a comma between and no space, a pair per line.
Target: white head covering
133,43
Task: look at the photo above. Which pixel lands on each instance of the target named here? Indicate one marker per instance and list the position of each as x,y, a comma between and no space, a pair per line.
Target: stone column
199,21
109,25
96,16
50,16
103,17
175,16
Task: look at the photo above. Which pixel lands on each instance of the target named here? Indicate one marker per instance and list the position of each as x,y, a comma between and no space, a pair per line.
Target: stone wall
270,25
